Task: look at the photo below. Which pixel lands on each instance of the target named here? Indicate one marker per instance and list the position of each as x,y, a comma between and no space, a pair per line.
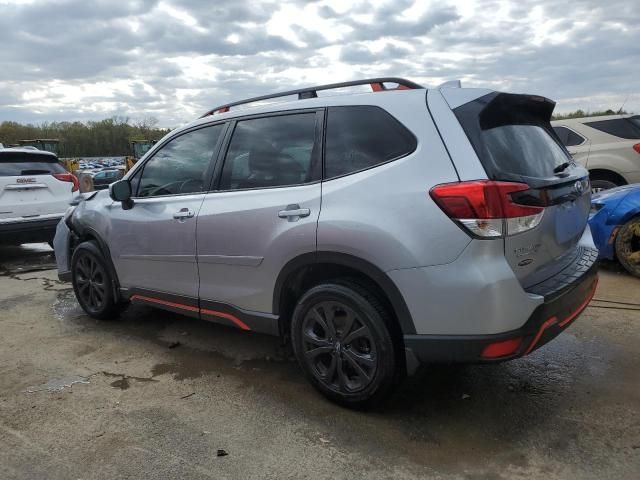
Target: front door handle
183,214
294,212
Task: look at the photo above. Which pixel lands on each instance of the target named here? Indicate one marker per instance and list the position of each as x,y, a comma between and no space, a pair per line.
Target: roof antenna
623,103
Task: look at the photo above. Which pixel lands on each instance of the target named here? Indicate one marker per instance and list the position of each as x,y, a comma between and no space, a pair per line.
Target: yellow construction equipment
138,149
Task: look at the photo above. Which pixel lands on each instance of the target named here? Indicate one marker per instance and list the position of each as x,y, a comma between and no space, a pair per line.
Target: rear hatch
33,184
516,144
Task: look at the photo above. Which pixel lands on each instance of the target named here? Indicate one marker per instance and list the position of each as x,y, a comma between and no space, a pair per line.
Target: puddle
66,306
124,381
57,385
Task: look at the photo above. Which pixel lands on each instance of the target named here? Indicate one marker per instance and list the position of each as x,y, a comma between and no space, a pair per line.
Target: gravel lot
156,395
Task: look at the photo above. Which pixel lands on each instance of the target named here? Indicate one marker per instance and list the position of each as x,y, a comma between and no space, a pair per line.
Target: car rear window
628,128
18,164
512,136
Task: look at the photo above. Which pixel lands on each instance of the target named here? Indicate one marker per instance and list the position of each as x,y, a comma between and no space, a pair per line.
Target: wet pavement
156,395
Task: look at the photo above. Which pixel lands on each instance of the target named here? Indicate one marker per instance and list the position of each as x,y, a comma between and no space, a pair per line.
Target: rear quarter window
618,127
361,137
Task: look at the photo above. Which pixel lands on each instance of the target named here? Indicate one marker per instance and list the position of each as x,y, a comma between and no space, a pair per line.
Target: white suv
609,146
35,191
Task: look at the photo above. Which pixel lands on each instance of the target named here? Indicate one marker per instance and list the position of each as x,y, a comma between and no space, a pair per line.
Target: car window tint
15,164
361,137
181,165
272,152
568,137
619,127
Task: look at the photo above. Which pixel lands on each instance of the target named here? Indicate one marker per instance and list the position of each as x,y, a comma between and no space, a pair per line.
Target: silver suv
372,231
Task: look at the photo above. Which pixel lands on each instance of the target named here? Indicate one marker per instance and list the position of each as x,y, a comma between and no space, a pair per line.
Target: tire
92,282
341,338
599,185
628,246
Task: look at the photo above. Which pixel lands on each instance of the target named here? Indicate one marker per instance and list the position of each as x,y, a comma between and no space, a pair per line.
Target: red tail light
485,207
636,147
68,177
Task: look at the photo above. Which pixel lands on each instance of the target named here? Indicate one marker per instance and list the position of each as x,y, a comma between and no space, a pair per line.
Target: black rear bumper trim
29,231
546,322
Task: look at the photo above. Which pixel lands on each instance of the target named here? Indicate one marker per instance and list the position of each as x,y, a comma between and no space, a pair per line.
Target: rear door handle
294,212
183,214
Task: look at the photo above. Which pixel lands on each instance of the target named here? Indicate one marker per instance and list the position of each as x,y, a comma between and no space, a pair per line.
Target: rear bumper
554,315
29,231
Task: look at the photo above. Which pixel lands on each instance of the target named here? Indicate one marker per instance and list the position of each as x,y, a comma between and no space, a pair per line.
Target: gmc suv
35,191
374,231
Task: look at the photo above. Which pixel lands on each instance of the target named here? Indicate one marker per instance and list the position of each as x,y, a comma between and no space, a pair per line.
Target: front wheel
628,246
342,341
92,282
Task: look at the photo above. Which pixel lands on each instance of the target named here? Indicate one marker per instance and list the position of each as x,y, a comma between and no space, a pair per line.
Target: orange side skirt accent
239,323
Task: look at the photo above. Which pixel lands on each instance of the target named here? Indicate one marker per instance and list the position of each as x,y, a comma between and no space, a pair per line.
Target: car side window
361,137
619,127
568,137
180,166
272,152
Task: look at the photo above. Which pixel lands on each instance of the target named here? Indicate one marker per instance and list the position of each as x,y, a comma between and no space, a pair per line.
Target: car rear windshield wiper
562,167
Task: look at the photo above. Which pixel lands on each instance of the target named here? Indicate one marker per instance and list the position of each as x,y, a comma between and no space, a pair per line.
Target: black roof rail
377,85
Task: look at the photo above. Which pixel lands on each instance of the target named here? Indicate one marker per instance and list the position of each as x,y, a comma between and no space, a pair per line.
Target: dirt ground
156,395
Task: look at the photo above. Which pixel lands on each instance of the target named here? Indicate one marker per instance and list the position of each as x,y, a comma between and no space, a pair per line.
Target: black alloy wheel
338,348
93,283
90,278
341,336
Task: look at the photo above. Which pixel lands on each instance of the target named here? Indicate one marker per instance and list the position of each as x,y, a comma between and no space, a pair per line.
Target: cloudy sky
174,59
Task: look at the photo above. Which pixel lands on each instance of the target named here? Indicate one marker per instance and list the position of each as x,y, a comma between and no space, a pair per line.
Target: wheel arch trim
366,268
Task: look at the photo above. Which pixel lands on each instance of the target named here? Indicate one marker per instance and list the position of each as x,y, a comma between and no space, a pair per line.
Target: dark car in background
104,178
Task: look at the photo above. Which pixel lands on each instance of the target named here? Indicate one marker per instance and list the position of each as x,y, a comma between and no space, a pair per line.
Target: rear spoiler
510,108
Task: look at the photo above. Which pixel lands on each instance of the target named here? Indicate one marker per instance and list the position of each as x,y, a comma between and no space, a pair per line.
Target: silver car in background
373,231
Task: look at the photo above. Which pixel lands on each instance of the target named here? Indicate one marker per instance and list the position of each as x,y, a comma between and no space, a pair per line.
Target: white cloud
174,59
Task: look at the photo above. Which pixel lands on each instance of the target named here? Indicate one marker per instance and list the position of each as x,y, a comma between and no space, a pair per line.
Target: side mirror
120,191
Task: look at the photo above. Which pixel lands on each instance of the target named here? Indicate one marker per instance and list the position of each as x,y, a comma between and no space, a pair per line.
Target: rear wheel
92,282
628,246
604,180
341,338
